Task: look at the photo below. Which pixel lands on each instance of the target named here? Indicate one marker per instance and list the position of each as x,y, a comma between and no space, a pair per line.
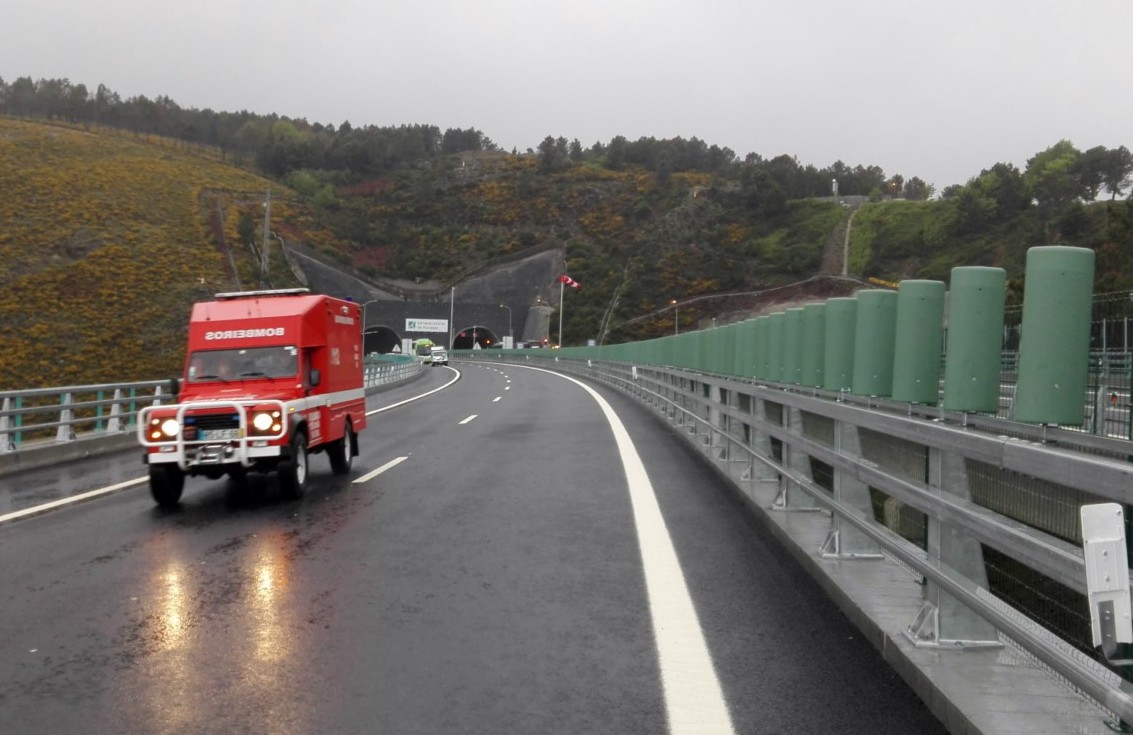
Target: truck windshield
246,364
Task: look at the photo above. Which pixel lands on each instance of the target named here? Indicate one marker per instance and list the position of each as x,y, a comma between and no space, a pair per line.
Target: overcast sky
938,89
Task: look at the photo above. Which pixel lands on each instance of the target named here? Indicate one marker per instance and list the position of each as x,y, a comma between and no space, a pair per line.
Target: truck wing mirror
1107,580
315,377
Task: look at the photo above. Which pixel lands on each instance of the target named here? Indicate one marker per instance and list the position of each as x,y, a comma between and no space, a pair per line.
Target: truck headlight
163,429
266,422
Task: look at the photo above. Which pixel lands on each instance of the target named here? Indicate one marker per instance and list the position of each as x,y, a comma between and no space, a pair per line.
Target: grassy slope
105,241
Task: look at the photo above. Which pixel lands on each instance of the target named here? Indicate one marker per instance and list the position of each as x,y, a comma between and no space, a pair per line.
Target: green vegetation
118,213
105,242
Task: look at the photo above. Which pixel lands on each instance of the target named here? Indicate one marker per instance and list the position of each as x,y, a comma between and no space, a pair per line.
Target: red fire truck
270,378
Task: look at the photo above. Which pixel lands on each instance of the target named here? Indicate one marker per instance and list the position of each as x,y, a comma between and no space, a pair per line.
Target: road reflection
223,624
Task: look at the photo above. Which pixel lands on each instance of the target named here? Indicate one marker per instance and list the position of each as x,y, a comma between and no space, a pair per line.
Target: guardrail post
943,621
718,423
797,461
66,430
845,541
114,425
760,472
7,444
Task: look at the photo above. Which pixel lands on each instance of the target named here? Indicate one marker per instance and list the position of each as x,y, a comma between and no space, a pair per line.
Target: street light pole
364,305
676,317
511,337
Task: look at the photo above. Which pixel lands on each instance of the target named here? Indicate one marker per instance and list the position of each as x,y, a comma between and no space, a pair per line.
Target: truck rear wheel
166,481
341,451
293,472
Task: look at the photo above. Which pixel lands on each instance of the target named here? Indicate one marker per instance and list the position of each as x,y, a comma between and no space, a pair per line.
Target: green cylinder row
890,343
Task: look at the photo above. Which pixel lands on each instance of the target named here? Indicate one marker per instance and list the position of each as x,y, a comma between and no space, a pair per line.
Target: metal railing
984,508
61,415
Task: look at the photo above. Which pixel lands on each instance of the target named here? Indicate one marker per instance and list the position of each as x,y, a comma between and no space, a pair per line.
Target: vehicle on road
423,349
271,377
438,355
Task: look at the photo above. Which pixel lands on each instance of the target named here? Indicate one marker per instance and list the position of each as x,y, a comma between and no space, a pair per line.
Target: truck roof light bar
230,295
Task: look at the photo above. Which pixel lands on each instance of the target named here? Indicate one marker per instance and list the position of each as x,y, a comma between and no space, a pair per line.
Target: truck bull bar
211,451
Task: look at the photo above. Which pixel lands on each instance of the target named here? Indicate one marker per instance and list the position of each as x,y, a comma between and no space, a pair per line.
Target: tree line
280,147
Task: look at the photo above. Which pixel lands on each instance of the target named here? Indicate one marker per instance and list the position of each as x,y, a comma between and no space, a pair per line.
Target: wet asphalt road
491,582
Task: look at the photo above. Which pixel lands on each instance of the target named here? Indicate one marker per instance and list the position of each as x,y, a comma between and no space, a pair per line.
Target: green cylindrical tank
975,339
875,336
777,329
1054,354
838,345
814,335
793,347
919,345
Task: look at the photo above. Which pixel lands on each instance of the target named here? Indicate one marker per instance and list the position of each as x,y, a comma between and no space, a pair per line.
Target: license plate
212,435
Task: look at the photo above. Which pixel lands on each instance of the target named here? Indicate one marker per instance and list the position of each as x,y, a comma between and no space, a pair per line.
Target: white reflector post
1107,575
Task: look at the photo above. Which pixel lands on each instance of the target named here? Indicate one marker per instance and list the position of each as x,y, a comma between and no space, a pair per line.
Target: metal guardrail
62,415
872,463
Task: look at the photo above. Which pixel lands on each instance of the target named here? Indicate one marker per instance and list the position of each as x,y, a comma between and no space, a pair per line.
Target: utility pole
267,241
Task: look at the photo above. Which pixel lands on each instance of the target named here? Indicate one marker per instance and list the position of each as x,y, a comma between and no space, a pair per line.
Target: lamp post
676,317
510,336
364,305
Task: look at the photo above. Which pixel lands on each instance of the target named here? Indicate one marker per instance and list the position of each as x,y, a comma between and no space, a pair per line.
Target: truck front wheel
293,472
166,481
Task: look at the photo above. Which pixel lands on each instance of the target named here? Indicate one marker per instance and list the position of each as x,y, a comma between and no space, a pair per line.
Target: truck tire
166,481
293,472
341,452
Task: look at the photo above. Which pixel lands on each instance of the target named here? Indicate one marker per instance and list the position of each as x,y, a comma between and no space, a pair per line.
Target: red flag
569,281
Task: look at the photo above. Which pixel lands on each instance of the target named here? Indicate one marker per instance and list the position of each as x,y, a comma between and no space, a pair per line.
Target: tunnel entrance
382,340
475,336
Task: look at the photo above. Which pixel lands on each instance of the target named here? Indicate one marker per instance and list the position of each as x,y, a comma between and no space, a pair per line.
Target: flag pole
561,286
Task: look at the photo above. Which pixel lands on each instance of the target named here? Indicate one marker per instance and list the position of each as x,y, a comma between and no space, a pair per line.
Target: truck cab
270,378
438,355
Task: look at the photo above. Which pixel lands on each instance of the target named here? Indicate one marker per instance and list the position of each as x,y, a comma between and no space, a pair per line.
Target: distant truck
270,378
438,355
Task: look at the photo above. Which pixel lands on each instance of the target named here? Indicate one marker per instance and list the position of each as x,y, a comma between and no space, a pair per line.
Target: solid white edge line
469,420
694,700
73,499
417,398
374,473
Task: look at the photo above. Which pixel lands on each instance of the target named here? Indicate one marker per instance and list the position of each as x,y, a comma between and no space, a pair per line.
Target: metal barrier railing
60,415
67,412
896,479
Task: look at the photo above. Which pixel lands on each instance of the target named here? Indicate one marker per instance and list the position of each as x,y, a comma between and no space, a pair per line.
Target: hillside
105,240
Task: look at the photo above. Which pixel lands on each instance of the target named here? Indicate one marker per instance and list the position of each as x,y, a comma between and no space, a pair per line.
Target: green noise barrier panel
919,342
793,347
838,348
875,336
1054,354
814,335
975,339
763,347
744,365
776,346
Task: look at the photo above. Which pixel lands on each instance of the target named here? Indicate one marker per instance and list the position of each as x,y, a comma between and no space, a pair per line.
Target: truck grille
211,421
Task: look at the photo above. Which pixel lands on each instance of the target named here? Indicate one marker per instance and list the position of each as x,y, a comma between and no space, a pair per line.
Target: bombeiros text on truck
271,377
